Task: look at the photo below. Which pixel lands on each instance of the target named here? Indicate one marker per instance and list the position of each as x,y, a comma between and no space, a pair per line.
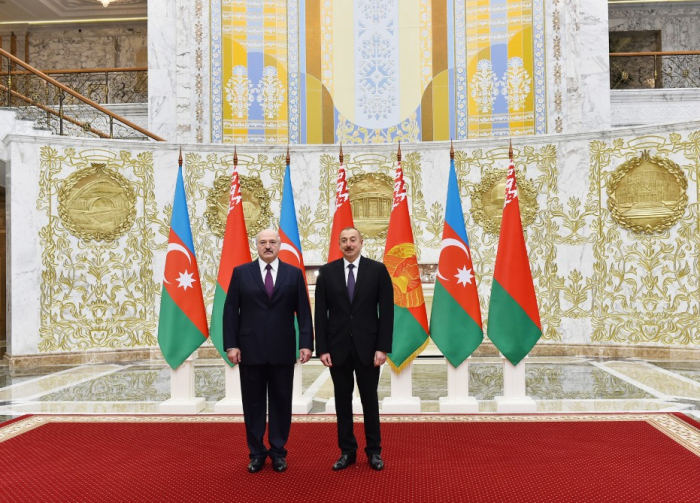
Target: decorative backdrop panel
376,71
89,224
502,60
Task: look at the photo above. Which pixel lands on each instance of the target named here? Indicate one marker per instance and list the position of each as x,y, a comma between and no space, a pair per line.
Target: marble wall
599,285
678,24
79,46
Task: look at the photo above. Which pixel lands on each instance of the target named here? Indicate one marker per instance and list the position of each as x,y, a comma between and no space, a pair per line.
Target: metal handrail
51,111
78,96
655,53
86,70
655,70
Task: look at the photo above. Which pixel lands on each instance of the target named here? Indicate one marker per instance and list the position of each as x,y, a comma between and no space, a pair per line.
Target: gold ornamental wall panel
97,277
97,203
256,205
645,281
489,196
597,282
371,199
647,194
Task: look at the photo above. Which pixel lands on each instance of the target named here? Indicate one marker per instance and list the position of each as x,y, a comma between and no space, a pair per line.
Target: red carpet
651,457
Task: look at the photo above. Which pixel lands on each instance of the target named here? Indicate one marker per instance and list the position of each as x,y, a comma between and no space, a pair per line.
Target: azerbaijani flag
290,246
182,324
342,217
235,251
514,319
410,318
455,320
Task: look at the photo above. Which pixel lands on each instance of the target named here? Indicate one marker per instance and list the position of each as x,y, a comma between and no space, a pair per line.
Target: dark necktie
351,281
269,284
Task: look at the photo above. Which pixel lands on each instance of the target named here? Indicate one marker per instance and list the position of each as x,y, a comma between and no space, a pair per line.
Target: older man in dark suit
354,330
263,298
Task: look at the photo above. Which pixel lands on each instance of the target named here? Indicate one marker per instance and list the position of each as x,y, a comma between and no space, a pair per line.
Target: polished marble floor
561,384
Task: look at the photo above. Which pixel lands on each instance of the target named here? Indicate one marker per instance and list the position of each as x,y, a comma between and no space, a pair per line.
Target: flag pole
300,403
182,390
514,399
458,400
401,400
232,402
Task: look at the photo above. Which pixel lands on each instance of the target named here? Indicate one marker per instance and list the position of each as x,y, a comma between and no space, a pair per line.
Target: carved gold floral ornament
256,205
489,195
97,203
647,194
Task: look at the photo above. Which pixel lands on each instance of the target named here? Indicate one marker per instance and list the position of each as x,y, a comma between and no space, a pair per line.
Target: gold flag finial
288,159
510,149
452,151
398,152
235,156
340,156
179,161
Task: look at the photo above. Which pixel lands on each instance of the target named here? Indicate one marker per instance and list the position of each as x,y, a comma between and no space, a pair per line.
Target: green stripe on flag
510,328
216,331
178,337
454,332
409,338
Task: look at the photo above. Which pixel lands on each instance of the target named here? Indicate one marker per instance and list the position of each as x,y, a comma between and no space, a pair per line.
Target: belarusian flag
182,324
342,217
235,251
455,321
410,318
290,246
514,320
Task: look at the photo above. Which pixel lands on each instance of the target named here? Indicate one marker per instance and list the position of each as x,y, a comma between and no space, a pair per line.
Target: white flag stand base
300,403
458,400
232,402
401,400
514,401
182,399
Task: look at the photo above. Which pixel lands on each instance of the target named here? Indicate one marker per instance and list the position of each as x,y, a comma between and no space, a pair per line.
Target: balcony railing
56,106
101,85
654,70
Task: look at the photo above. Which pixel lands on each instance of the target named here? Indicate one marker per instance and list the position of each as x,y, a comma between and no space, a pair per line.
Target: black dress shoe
344,461
256,464
279,464
375,462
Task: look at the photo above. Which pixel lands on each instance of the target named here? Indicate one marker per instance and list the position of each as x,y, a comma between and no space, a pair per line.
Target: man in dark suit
354,330
259,336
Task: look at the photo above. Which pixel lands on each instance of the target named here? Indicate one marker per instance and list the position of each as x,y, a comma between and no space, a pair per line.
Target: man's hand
234,355
326,359
379,358
304,355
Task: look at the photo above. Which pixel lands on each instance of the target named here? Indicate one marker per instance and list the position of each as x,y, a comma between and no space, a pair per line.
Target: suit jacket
261,327
367,321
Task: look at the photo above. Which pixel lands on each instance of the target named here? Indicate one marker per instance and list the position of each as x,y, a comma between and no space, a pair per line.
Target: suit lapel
340,276
360,280
257,275
281,276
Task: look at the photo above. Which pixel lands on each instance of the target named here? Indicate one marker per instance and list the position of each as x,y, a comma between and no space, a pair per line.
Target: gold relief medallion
97,203
371,198
489,195
647,194
256,205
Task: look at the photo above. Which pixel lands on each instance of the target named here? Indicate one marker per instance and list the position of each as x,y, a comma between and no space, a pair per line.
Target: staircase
56,108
